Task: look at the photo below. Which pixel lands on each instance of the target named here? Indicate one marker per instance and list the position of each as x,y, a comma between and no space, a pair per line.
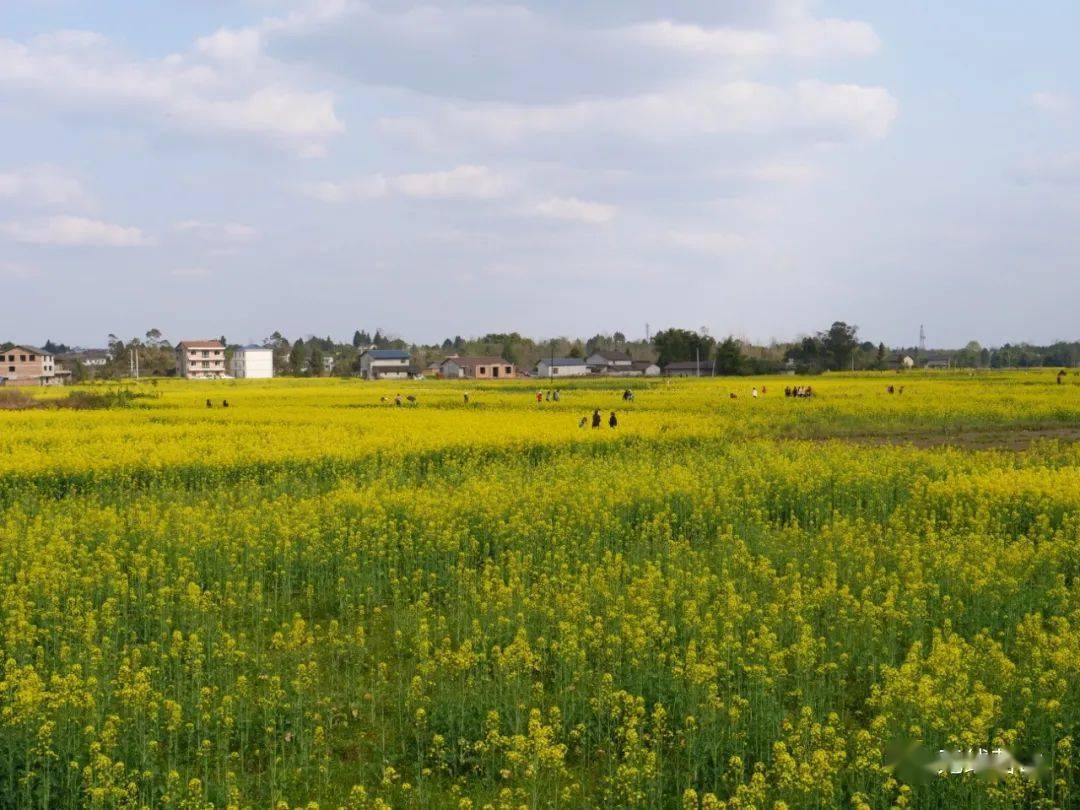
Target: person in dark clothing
466,399
596,418
612,421
209,404
224,403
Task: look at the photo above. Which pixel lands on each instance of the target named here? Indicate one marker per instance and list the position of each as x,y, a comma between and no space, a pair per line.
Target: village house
900,362
252,362
87,358
609,361
200,359
29,365
644,368
387,364
477,368
689,368
562,367
937,361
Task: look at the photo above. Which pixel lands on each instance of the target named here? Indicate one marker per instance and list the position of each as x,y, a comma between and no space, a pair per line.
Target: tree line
837,348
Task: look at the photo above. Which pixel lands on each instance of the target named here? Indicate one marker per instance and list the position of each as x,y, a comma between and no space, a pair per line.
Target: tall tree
729,357
840,343
673,345
297,356
357,339
315,361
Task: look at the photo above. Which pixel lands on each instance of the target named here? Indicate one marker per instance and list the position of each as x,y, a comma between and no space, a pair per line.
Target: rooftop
200,344
30,349
477,361
388,354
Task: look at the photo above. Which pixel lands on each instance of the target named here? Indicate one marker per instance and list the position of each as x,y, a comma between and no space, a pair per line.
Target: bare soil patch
995,438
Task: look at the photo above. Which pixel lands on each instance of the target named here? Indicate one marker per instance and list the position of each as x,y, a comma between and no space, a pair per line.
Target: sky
758,168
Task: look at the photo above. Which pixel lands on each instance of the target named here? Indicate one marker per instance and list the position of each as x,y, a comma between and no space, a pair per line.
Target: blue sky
457,167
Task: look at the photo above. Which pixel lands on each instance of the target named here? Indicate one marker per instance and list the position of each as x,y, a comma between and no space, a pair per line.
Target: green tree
673,345
840,343
880,361
315,361
297,355
729,357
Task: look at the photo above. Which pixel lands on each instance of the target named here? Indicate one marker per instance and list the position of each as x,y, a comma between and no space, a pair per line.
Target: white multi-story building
562,367
200,359
253,362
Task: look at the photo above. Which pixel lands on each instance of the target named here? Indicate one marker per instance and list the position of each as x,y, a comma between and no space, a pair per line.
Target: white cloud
805,37
830,111
712,242
43,185
460,183
1054,169
1049,101
190,272
231,45
785,173
572,209
78,69
225,231
75,231
16,271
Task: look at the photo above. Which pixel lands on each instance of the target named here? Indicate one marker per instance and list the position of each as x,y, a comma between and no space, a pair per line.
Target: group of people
398,400
548,396
892,389
224,403
799,391
597,420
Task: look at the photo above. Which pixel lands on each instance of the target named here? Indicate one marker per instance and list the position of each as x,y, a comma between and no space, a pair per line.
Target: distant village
672,352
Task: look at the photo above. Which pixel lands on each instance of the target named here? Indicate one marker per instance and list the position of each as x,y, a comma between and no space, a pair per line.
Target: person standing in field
753,392
584,421
612,421
209,404
466,397
555,395
539,397
596,418
397,400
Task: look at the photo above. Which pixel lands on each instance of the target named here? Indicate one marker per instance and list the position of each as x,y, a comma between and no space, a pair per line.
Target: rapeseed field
315,598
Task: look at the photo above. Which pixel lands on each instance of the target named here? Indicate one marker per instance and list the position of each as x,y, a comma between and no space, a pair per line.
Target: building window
22,358
11,368
32,358
509,370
